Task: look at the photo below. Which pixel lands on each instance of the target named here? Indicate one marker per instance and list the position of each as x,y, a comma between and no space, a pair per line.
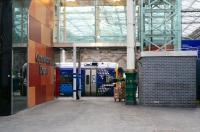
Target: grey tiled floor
101,115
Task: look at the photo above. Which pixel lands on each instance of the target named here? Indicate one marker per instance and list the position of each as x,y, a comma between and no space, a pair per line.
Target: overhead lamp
46,1
116,0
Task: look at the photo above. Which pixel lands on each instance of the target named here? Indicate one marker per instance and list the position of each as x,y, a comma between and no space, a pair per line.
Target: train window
93,78
87,79
66,79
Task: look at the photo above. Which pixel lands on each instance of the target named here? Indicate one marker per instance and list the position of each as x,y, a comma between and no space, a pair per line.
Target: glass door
19,55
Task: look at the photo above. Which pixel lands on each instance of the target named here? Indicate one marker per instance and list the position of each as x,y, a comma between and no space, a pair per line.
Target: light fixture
116,0
46,1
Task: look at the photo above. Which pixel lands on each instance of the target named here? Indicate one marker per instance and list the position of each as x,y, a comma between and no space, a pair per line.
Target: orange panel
44,79
41,49
50,92
47,92
34,29
52,75
41,20
37,10
48,3
46,36
31,52
31,97
50,18
50,52
34,75
42,15
32,8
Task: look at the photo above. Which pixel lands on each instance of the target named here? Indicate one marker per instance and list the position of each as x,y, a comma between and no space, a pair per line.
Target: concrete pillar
74,73
130,34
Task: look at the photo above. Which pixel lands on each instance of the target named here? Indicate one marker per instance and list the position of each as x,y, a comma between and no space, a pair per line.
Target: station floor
101,115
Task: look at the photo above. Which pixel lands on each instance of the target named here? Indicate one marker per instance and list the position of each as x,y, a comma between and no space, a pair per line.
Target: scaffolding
160,25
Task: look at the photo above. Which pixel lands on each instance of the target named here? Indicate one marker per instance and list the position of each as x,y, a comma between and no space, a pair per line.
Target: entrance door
93,82
90,82
87,82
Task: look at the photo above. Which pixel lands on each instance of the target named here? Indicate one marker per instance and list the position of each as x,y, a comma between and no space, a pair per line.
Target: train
96,79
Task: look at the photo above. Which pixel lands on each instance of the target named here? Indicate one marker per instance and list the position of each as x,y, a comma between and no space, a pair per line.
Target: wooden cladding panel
31,52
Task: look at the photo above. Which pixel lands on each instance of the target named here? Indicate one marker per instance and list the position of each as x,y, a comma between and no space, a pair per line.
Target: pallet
119,99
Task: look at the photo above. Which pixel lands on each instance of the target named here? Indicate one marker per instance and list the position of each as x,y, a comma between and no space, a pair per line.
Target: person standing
24,75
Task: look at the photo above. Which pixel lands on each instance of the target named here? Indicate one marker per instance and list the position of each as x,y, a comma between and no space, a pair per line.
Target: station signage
41,59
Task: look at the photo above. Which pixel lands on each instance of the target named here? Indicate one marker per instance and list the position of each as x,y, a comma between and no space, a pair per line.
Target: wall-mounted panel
41,59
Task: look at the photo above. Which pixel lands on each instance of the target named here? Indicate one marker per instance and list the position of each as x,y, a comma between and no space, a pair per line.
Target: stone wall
98,55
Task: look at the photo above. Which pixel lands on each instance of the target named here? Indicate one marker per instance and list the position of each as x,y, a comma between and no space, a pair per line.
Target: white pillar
130,34
62,56
74,73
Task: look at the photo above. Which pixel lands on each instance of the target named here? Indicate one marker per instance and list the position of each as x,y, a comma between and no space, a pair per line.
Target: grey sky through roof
190,19
91,23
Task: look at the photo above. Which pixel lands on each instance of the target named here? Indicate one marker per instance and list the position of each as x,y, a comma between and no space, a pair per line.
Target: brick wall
168,81
101,55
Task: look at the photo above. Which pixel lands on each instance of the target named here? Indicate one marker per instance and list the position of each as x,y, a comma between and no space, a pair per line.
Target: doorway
90,82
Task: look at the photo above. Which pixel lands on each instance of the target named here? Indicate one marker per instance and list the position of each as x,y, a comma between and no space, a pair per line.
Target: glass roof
82,21
91,21
190,19
74,3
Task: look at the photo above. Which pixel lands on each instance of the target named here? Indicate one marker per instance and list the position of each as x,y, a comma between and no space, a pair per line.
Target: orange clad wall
41,87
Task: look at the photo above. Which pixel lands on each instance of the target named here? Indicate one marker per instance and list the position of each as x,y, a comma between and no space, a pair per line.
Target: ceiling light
45,1
116,0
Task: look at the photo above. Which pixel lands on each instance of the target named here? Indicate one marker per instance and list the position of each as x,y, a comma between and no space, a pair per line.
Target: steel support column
179,26
160,24
74,73
79,73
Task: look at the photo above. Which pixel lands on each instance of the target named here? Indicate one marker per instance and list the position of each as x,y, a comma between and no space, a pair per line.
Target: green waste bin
131,88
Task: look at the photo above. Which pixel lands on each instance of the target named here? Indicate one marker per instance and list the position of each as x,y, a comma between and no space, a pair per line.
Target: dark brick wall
168,81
